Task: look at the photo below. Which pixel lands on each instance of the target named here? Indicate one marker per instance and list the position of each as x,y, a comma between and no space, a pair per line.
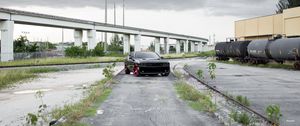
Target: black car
146,63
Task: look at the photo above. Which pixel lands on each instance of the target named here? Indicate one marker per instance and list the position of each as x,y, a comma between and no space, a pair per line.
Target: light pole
62,35
105,34
115,18
123,13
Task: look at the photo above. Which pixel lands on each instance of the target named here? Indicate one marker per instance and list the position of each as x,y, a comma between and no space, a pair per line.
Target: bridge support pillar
137,42
91,39
192,46
78,37
7,45
186,46
167,47
157,45
126,44
177,46
199,47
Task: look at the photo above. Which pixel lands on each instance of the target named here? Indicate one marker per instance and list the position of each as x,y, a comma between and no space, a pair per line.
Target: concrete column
78,37
91,39
199,46
105,42
177,46
7,45
167,47
204,47
137,42
157,45
126,44
192,46
186,46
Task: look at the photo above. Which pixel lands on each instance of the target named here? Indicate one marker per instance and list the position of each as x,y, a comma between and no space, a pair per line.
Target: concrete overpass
9,17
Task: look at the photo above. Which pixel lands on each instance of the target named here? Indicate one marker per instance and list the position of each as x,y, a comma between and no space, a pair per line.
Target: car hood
151,61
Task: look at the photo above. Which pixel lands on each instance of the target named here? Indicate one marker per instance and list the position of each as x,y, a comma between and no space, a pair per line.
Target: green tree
99,49
151,47
285,4
20,44
32,47
116,43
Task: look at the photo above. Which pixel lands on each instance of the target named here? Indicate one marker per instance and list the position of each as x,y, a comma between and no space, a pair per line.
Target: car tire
127,71
136,72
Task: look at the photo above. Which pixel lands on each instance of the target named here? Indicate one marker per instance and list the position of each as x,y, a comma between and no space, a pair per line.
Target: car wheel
127,71
136,72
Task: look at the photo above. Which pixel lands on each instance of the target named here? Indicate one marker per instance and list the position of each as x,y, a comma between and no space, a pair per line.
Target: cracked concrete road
147,101
263,87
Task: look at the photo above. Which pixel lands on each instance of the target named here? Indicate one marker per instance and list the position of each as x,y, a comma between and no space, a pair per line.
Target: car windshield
146,55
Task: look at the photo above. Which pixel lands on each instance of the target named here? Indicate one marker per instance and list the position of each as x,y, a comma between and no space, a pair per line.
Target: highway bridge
9,17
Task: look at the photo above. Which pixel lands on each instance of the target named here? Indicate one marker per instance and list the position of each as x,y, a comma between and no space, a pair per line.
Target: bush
99,50
77,51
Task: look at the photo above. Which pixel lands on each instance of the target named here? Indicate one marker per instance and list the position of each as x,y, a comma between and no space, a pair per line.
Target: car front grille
154,64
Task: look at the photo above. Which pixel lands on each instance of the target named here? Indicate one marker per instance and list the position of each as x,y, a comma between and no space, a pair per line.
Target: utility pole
62,35
123,13
105,34
115,22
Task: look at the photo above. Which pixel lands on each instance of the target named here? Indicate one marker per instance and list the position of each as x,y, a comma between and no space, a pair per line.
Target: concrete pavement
263,86
147,101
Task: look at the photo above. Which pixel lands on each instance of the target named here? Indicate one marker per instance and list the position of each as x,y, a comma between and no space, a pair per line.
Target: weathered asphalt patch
147,101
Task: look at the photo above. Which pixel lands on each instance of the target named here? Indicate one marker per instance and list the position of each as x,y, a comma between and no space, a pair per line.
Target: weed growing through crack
274,113
41,117
211,69
243,100
200,74
242,118
197,100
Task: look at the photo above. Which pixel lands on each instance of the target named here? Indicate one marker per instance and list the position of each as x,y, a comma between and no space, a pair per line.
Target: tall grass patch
9,77
197,100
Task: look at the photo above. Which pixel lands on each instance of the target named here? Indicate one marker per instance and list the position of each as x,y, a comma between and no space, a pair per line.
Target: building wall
292,21
266,27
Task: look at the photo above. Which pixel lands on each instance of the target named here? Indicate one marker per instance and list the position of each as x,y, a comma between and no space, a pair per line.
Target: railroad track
48,65
248,109
68,64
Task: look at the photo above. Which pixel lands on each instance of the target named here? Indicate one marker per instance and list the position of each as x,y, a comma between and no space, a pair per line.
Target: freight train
279,50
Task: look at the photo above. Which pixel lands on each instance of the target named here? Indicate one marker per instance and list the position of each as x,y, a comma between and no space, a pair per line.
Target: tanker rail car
261,51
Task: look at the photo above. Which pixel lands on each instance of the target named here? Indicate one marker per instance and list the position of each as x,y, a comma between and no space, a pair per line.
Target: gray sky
192,17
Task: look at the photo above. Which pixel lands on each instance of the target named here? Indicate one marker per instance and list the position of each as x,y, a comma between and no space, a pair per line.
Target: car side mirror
162,57
130,57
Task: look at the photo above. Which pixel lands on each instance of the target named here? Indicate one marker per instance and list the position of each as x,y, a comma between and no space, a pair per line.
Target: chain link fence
34,55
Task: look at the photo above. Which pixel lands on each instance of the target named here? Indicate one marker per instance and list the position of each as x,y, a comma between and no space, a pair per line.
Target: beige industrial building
286,24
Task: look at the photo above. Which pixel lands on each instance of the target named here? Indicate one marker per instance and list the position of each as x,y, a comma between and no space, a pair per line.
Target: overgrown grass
66,60
190,55
269,65
197,100
243,100
242,118
111,57
10,77
86,107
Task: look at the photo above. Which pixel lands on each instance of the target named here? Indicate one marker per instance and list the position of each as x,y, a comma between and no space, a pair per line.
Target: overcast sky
192,17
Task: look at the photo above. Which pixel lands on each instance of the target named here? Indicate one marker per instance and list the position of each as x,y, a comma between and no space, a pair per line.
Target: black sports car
146,63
